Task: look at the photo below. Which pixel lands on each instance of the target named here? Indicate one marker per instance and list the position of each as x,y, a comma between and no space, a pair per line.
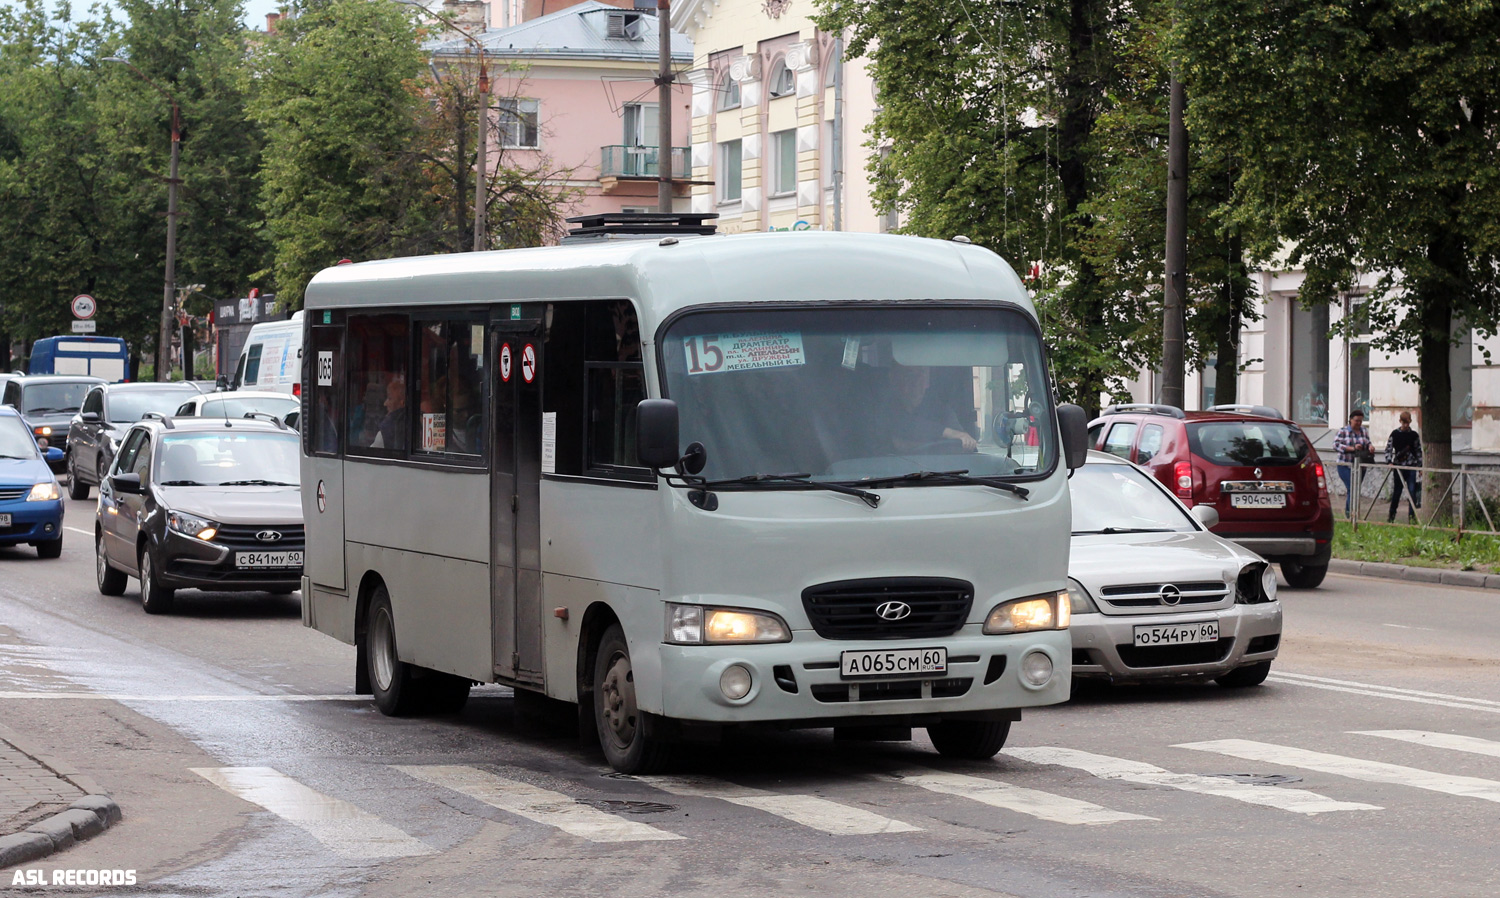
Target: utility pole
164,330
1172,375
481,178
664,80
838,132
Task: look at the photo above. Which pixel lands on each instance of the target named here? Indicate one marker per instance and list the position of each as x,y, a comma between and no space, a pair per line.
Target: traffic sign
505,362
85,327
528,363
84,307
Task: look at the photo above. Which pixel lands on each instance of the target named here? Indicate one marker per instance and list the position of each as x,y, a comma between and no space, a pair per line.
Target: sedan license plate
1258,500
1177,634
267,559
4,520
895,663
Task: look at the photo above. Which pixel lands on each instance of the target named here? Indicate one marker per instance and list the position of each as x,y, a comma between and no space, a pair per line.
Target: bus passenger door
516,564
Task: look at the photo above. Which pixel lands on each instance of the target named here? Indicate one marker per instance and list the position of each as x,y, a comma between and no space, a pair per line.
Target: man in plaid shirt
1350,443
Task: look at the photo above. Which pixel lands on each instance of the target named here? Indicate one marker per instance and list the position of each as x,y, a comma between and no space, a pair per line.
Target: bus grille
890,691
847,609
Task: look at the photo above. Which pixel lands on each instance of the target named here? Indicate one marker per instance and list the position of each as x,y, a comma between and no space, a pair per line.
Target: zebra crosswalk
880,803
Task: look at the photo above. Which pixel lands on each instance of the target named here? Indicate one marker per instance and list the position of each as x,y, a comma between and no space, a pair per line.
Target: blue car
31,506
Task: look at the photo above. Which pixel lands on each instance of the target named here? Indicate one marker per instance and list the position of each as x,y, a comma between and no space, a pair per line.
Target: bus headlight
44,492
1049,611
189,525
698,625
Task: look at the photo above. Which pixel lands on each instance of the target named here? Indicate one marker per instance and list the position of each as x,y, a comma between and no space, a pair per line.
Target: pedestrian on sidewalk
1405,448
1352,442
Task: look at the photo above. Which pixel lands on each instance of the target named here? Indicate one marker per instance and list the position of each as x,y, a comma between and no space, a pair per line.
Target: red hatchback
1254,467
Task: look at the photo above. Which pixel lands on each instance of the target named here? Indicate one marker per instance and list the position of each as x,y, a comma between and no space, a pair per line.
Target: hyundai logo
893,611
1170,595
268,536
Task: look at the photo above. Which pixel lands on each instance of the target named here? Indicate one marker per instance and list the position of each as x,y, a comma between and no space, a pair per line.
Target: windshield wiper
961,476
803,480
23,457
47,410
1125,530
256,483
179,483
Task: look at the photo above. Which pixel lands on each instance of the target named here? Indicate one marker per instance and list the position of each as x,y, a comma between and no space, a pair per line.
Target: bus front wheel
632,739
974,740
396,692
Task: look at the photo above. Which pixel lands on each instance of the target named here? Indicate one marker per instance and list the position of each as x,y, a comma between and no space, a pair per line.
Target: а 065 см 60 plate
897,663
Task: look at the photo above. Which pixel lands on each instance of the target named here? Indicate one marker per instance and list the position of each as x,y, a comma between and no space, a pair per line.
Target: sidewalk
45,804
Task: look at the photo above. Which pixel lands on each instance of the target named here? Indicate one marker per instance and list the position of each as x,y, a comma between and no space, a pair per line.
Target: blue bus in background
104,357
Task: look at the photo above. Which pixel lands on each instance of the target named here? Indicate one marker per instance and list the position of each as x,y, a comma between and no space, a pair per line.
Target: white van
272,358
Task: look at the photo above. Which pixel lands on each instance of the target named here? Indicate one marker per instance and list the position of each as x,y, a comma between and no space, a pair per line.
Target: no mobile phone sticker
713,353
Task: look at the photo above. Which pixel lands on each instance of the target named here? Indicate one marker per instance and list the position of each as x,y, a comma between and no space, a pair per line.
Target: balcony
625,163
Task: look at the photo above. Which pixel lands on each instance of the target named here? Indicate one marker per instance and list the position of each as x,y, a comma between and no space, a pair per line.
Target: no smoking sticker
505,362
528,363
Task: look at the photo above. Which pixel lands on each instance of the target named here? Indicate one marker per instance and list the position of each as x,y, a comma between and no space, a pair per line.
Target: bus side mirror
656,433
1073,423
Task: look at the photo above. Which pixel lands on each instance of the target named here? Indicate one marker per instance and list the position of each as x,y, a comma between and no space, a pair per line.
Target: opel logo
1170,595
893,611
268,536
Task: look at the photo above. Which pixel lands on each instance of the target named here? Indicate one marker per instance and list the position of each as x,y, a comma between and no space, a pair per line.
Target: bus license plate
267,559
896,663
1258,500
1178,634
4,520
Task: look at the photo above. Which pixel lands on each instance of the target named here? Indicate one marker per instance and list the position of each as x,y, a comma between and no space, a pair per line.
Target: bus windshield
847,394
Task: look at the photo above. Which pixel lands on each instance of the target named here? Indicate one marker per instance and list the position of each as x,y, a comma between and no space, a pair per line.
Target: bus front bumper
798,683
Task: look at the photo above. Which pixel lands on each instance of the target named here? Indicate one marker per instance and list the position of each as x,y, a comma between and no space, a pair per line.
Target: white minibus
693,484
271,358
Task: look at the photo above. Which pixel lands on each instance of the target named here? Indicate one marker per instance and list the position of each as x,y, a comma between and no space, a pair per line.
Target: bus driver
916,421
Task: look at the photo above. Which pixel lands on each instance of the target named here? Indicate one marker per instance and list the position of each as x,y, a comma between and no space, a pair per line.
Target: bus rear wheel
974,740
632,739
396,691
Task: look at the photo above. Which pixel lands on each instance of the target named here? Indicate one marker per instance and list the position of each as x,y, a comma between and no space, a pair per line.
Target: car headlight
700,625
1255,585
42,430
1079,599
1048,611
191,525
44,492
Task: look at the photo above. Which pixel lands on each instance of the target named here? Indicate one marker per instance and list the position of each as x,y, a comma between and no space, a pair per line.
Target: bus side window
379,350
595,379
324,412
450,382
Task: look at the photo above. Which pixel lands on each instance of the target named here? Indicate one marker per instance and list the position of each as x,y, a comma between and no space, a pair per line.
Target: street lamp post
481,147
164,331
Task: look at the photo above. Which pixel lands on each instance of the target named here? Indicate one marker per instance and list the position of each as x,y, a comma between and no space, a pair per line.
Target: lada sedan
206,503
1155,595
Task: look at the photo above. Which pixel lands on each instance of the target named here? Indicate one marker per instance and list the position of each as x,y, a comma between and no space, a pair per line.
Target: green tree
1366,137
339,95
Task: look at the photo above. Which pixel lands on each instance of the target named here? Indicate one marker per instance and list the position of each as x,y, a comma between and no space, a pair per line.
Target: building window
1359,378
783,80
731,162
1309,334
729,92
518,123
642,125
784,158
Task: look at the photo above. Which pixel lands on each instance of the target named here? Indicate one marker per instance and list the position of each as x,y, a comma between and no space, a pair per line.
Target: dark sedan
107,411
48,403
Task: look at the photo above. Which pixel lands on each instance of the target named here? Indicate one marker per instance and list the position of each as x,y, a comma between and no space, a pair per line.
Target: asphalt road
1368,765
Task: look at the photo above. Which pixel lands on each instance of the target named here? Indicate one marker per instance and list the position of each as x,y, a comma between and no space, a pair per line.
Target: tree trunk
460,172
1227,350
1434,307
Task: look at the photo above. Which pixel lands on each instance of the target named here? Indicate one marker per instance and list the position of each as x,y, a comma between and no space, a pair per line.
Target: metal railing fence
1462,499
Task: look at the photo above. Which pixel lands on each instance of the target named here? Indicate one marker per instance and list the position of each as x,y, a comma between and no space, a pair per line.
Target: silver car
1155,595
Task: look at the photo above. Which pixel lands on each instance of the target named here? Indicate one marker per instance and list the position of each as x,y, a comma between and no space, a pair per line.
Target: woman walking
1405,448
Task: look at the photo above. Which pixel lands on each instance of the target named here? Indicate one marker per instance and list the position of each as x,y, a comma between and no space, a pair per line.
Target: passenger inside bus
390,433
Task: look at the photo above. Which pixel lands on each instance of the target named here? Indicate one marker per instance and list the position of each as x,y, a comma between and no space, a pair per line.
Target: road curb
1470,579
85,818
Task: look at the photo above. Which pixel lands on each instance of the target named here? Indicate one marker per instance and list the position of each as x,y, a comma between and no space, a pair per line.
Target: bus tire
974,740
397,693
632,739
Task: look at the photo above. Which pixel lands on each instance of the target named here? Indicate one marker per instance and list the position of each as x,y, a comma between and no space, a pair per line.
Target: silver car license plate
894,663
267,559
1177,634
